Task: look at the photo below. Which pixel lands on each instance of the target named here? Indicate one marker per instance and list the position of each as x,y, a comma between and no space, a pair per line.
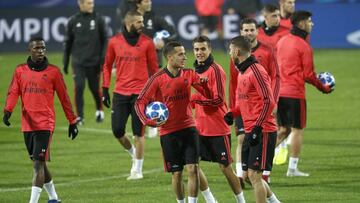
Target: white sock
266,173
35,194
273,199
50,189
138,165
192,199
180,200
239,171
132,151
240,198
293,162
209,198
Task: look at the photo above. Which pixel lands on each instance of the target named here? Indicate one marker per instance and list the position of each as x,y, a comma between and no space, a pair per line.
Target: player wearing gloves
36,82
295,59
178,136
134,57
255,103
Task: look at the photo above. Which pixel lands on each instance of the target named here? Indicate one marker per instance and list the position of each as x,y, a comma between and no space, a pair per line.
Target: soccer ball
160,35
157,110
327,78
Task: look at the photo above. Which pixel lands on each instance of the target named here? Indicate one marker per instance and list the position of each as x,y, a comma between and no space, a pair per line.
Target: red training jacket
134,64
254,99
174,92
265,55
273,39
36,89
286,22
209,113
295,58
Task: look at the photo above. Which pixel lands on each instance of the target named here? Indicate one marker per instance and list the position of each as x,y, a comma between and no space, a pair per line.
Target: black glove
229,118
254,135
66,70
7,115
106,97
73,131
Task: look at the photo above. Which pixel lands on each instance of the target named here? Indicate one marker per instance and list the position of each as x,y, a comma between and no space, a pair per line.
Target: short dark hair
299,16
138,1
242,43
270,8
202,38
131,13
169,47
36,38
248,21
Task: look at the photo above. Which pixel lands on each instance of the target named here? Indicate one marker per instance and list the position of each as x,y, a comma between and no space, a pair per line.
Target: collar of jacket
37,66
245,64
299,32
86,13
202,67
131,37
269,30
255,47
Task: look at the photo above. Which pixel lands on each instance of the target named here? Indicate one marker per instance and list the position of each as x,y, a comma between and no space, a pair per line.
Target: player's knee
118,132
254,176
284,131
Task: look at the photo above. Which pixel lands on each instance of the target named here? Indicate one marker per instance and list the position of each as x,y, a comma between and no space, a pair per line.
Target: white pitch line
155,170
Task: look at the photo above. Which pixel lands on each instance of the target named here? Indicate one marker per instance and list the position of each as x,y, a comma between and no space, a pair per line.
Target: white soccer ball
157,110
327,78
160,35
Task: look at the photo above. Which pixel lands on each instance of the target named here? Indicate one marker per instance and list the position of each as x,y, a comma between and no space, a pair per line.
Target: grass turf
94,167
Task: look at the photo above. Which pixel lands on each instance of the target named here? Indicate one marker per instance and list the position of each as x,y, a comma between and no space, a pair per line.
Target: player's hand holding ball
157,114
328,82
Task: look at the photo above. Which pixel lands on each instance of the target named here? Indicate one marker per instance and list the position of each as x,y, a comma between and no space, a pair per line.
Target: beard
133,30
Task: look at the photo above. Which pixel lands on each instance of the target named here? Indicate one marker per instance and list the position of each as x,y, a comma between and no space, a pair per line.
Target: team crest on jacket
186,82
92,25
44,77
149,24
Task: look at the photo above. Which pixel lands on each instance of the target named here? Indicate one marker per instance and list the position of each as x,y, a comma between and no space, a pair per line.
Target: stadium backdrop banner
336,24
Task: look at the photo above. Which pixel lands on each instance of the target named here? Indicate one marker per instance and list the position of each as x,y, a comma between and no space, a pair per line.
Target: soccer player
178,136
295,58
265,55
85,40
255,103
152,24
134,56
270,31
215,140
287,8
35,82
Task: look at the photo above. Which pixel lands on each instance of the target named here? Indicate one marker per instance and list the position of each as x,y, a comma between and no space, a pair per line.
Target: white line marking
155,170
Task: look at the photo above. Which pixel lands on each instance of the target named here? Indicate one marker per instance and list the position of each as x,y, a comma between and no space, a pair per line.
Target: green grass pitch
94,167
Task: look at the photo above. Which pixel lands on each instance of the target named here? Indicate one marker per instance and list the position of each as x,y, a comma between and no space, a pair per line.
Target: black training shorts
291,112
259,157
180,148
38,144
123,106
216,149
